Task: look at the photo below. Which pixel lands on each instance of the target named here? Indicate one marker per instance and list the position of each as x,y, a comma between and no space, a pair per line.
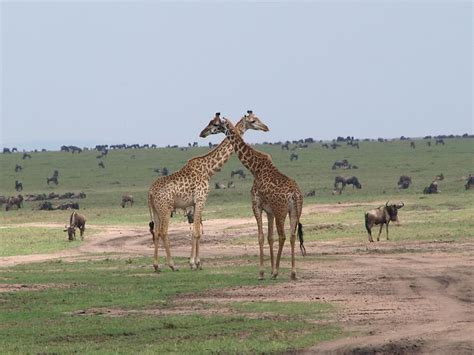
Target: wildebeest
310,193
3,199
14,201
238,172
101,165
6,151
325,145
76,220
53,178
18,168
412,145
439,141
18,185
381,215
346,181
432,189
286,146
26,155
335,145
404,182
469,182
164,171
293,156
127,199
341,164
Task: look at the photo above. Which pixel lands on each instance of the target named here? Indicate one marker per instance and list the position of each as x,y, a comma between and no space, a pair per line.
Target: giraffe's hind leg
280,224
293,225
164,223
195,261
271,221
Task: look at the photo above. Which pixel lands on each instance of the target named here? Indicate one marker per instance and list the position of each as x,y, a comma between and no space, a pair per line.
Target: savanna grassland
101,296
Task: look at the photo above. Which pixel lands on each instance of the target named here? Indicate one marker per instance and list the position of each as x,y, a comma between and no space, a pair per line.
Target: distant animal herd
273,193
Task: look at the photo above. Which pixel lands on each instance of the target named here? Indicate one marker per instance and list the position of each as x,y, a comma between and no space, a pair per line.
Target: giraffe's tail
152,223
300,238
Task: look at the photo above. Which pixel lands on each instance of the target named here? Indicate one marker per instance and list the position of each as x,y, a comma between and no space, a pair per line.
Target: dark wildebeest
335,145
381,215
68,206
293,156
26,155
164,171
439,141
239,172
341,164
18,185
310,193
346,181
127,199
285,146
52,179
432,189
76,220
469,182
325,145
6,151
101,164
18,168
404,182
14,201
412,145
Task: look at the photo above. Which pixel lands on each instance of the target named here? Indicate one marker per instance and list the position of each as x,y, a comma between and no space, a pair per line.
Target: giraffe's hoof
156,267
293,275
199,265
174,268
274,276
193,266
261,276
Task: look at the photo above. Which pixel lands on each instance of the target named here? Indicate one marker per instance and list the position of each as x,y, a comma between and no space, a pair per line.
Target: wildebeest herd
272,192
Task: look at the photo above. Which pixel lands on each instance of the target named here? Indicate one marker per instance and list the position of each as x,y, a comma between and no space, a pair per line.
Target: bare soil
391,298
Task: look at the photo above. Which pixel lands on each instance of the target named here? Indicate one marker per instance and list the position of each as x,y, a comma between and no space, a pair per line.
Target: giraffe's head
253,122
214,127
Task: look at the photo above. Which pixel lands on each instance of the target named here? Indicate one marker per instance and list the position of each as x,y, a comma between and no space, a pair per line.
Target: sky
107,72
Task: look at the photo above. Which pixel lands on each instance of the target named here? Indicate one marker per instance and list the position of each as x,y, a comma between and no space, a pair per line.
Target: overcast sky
155,72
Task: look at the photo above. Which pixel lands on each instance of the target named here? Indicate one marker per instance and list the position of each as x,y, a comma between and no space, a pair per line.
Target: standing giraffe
189,187
272,192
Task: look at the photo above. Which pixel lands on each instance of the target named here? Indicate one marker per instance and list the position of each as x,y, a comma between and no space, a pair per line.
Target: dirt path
405,297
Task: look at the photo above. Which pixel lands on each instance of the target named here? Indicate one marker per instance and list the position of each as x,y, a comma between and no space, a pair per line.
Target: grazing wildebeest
404,182
325,145
432,189
164,171
26,155
18,185
14,201
18,168
127,199
439,141
68,206
238,172
46,206
469,182
381,215
53,178
285,146
335,145
76,220
346,181
412,145
6,151
293,156
341,164
101,165
310,193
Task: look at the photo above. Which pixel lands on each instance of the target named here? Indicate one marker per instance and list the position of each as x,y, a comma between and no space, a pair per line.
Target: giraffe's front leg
280,222
271,220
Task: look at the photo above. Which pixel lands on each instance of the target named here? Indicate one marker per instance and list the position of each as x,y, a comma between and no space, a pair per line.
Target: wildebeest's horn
218,114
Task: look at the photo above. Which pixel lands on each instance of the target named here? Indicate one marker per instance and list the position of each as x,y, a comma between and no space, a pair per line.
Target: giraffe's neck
252,159
213,161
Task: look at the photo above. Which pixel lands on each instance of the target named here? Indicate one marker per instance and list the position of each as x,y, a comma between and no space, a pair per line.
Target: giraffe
272,192
188,188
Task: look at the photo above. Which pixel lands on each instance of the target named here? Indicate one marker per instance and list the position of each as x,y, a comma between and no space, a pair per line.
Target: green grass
131,171
48,321
34,240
